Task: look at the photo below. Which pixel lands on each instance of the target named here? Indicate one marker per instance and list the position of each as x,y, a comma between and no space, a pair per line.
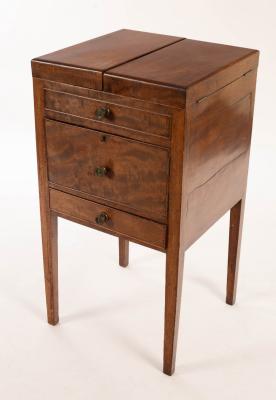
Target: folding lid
84,63
158,68
166,75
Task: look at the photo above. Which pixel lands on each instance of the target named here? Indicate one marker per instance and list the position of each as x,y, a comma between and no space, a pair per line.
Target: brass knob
101,218
101,171
103,112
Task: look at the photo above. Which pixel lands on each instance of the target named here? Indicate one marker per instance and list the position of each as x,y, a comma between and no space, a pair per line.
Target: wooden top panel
157,68
181,64
109,50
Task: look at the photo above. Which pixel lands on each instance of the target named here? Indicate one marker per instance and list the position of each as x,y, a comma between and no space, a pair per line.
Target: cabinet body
145,137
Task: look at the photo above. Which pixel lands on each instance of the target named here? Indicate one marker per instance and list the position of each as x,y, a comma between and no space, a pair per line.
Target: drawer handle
103,112
101,171
102,218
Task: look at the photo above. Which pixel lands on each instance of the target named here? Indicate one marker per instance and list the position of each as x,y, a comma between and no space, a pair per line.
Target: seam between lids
144,54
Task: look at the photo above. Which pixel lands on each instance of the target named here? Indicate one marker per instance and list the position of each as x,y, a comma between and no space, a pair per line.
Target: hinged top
110,50
158,68
84,63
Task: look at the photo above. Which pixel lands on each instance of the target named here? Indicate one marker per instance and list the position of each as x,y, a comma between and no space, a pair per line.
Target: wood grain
126,117
120,224
106,51
173,151
83,64
63,73
104,97
137,173
188,65
181,64
210,201
217,139
149,91
144,137
175,249
219,130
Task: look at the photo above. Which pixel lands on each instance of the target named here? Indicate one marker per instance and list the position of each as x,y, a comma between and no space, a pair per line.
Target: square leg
50,259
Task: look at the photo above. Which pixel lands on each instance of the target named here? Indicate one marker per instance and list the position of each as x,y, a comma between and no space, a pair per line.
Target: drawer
122,171
108,114
109,220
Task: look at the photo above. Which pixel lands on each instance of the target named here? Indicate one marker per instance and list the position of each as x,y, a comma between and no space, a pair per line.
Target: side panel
219,130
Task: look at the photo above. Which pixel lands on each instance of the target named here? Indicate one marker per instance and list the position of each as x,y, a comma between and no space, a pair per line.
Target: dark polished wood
145,137
84,63
112,49
213,199
140,107
198,68
136,173
137,229
123,252
182,64
119,116
175,248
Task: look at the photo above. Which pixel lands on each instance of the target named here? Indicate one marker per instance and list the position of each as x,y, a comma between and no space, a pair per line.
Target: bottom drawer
109,220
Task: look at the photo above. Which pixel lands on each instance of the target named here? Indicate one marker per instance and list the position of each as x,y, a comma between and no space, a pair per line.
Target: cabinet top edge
153,67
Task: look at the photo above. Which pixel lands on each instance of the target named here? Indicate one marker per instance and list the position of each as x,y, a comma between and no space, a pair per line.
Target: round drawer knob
101,218
101,171
103,112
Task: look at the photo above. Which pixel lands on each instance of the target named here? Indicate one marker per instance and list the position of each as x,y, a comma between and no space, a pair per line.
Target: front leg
174,277
177,209
50,258
48,219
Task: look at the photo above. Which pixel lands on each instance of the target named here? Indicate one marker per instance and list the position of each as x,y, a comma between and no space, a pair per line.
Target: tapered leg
174,275
123,252
235,233
177,210
50,258
48,220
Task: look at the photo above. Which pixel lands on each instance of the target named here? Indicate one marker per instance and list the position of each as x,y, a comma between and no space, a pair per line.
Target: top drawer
107,114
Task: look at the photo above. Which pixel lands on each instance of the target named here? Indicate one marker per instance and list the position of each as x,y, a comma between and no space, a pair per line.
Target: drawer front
123,171
115,222
108,113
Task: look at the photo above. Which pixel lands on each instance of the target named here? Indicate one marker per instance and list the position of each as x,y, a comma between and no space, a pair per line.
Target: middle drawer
122,171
